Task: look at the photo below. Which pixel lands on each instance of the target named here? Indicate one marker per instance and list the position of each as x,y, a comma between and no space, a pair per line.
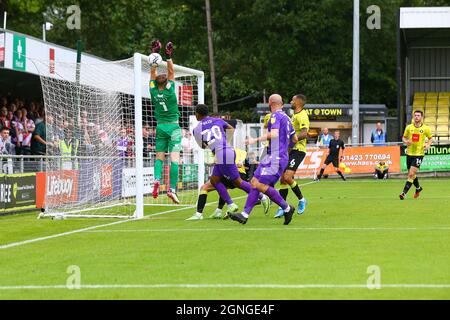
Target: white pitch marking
275,229
228,286
58,235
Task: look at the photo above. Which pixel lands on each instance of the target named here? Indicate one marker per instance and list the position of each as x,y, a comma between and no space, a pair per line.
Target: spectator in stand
32,111
6,146
38,115
378,137
149,144
10,119
130,135
4,122
81,133
13,108
68,148
52,135
122,143
38,141
323,141
94,139
17,126
28,128
4,102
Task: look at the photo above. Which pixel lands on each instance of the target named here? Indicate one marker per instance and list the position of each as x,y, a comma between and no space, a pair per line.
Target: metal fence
12,164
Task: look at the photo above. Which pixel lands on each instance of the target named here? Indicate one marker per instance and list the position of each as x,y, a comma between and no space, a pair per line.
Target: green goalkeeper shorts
168,137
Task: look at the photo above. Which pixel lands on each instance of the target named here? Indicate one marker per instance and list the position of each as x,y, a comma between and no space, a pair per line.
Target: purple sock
275,196
247,187
223,193
252,199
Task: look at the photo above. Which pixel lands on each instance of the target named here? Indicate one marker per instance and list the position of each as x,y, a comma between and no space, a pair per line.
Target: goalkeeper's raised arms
156,47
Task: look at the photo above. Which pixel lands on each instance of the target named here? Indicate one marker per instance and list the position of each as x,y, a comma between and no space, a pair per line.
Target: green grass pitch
323,254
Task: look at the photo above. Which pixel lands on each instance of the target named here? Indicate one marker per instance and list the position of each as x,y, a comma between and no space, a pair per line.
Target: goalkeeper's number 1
163,104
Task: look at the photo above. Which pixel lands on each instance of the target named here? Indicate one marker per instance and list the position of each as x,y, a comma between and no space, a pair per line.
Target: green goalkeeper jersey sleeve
165,102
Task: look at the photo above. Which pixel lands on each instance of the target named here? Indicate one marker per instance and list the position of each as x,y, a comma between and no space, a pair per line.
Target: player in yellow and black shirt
300,122
265,144
414,139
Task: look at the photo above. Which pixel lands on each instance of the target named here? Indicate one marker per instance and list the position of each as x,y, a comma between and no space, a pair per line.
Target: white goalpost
101,138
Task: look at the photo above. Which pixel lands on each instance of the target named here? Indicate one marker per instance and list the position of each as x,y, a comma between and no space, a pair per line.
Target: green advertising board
19,53
17,192
436,159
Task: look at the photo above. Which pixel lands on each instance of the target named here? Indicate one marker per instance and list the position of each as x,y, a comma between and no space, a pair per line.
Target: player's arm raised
155,47
170,68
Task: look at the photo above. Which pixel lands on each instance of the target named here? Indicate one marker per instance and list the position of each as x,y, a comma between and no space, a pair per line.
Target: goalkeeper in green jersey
168,131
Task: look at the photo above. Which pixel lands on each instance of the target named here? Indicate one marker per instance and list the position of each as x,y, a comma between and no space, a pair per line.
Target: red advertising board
106,180
185,95
58,187
52,61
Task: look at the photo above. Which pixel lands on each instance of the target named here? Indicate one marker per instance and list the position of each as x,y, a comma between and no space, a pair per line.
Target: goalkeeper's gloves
156,46
169,50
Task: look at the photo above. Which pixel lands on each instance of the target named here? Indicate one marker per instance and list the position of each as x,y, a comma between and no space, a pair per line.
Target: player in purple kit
211,133
281,134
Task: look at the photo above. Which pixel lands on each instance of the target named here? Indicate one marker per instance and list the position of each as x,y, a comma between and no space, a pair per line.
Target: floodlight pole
5,15
355,95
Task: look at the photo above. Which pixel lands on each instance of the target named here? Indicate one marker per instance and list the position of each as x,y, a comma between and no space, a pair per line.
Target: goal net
101,138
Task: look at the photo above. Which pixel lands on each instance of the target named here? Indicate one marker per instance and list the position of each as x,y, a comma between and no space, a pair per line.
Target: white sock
245,215
219,209
199,214
287,209
264,197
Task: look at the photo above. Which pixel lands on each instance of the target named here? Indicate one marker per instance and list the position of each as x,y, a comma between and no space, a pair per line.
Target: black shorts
295,158
413,161
229,184
332,159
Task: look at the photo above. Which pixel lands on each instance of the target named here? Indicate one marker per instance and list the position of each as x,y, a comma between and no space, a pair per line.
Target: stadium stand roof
423,55
420,18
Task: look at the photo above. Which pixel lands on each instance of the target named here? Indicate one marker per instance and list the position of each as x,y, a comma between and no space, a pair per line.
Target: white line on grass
284,229
227,286
58,235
